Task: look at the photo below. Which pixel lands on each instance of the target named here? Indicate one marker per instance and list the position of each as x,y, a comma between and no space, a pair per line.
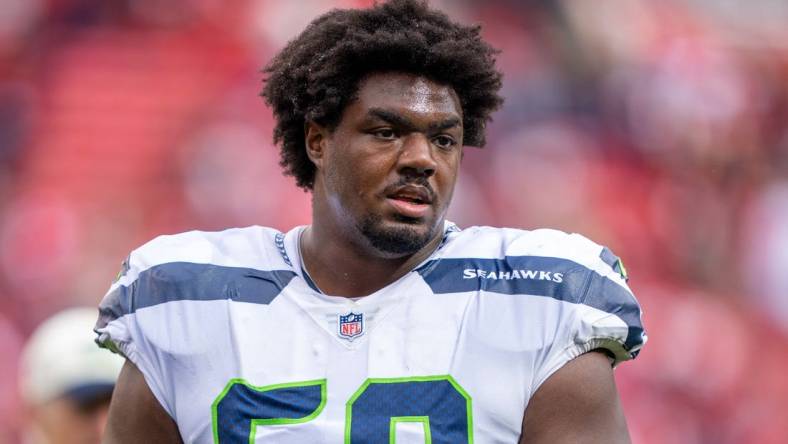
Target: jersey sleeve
155,313
599,310
120,329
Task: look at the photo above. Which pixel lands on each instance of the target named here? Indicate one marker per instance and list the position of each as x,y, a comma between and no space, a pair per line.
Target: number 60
371,414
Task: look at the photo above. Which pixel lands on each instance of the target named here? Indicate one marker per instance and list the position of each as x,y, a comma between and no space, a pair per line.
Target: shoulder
566,272
240,264
250,247
555,246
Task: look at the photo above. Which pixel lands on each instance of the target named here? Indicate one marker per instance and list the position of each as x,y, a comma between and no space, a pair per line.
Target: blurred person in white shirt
66,381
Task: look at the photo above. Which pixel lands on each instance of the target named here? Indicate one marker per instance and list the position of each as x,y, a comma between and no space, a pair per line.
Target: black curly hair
317,74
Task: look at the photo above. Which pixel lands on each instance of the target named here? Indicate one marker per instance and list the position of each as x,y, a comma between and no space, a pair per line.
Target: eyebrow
401,121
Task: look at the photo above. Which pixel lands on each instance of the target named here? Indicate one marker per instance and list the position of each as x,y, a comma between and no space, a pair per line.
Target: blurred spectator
10,347
66,381
766,252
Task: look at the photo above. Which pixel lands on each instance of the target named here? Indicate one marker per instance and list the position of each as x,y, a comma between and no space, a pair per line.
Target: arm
577,404
135,415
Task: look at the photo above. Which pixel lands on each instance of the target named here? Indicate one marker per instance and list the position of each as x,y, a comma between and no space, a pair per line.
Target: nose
416,156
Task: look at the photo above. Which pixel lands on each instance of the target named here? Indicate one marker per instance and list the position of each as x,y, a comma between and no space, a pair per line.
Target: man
66,382
381,321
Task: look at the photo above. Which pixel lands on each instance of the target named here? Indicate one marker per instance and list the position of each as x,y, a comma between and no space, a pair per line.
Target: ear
316,137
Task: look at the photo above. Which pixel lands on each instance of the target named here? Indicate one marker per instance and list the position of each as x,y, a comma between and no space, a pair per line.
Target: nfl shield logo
351,325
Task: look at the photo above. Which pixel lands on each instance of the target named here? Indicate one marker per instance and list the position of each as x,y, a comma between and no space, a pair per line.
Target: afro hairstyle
317,74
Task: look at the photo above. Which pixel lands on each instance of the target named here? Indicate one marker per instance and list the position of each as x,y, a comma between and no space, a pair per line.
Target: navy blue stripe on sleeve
179,281
608,257
557,278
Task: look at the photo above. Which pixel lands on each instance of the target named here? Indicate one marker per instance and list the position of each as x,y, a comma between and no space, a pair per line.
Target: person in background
66,382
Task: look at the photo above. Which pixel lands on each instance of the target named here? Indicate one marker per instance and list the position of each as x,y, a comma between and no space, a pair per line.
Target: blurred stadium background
657,128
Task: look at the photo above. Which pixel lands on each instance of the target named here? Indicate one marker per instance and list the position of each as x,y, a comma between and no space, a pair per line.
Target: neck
341,267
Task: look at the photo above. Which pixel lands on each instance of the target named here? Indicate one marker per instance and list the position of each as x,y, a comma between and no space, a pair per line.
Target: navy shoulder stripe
510,275
614,261
186,281
557,278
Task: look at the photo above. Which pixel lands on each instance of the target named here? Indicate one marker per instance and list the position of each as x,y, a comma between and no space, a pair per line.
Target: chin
402,237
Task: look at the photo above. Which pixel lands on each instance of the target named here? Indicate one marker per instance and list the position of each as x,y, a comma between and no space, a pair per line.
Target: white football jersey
239,346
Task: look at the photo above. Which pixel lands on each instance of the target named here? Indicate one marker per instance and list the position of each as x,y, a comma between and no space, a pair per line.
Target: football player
381,321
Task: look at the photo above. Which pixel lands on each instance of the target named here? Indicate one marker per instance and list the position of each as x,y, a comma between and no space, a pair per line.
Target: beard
396,241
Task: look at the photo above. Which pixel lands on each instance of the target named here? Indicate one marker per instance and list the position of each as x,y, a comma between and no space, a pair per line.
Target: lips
413,194
410,201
